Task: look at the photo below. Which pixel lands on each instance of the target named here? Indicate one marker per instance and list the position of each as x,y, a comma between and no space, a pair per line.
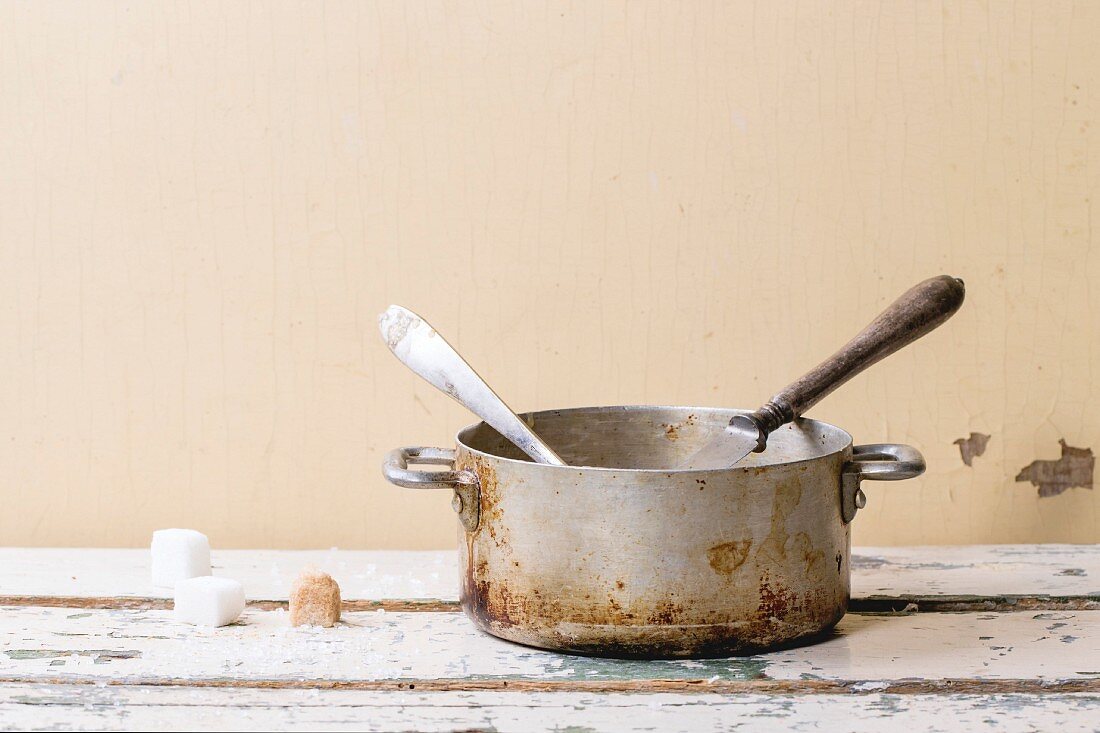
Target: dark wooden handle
919,310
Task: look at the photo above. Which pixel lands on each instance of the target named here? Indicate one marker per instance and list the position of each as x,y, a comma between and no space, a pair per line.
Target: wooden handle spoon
918,311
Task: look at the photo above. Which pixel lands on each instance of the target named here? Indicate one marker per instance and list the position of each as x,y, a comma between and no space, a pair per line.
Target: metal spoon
420,347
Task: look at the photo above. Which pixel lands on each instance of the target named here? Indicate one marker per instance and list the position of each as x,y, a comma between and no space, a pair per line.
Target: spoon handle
919,310
420,347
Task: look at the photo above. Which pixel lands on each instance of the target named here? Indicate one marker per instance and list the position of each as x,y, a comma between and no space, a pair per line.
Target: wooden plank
88,707
935,578
976,577
121,577
996,652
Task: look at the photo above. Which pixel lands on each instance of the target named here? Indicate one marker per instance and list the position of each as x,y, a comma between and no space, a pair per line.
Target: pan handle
467,491
875,462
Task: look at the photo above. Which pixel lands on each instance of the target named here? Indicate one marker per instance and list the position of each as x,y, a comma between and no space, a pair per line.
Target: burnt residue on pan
727,557
506,592
668,628
651,626
672,430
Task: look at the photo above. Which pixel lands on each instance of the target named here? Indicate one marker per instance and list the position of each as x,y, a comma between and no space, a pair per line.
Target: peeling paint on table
71,656
977,577
380,649
87,707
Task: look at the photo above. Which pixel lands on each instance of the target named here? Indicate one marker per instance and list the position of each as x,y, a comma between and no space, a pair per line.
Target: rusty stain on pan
595,558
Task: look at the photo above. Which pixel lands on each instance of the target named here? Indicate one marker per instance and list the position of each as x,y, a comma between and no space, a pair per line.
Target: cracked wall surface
203,209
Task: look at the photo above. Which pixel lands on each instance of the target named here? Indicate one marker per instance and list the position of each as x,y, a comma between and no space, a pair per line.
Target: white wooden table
1001,638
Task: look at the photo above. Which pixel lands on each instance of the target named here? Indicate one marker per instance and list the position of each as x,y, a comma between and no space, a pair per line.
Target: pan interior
650,438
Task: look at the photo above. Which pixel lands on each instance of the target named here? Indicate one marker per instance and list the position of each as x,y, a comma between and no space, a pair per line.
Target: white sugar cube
179,554
209,601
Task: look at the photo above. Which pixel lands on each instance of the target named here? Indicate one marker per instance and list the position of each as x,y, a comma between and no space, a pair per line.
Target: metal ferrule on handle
765,420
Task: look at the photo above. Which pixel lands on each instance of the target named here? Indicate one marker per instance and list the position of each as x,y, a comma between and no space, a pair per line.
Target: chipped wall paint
203,210
1073,469
972,447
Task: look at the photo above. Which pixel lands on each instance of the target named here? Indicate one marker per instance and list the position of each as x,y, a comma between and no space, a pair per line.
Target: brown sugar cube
314,600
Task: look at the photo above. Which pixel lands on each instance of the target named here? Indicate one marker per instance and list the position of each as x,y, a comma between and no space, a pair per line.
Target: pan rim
463,434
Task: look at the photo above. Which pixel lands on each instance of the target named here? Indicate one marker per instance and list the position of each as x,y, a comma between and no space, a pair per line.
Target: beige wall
203,206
